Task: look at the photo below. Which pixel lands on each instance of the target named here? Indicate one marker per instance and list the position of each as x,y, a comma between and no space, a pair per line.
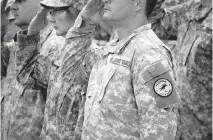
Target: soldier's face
62,21
118,10
24,11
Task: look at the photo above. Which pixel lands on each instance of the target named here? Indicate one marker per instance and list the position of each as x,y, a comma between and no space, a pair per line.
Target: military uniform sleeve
156,95
78,40
31,67
165,22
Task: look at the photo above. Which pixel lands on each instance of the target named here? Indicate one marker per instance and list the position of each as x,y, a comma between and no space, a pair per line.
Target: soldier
66,75
131,92
192,24
23,97
68,79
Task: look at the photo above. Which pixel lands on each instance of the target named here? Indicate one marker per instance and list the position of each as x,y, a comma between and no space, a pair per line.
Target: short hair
150,5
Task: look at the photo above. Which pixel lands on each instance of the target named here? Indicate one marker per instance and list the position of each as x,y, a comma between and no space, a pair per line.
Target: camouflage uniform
24,90
64,107
131,92
192,24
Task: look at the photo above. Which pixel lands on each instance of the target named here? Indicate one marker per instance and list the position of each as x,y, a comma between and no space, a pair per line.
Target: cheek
64,22
121,8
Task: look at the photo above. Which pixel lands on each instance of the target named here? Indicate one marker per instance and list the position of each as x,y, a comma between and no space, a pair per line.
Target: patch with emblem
119,61
163,87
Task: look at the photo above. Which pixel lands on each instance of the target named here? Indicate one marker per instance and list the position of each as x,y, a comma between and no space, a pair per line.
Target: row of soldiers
59,87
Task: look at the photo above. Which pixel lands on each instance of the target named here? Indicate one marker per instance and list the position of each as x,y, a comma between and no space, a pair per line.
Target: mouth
106,9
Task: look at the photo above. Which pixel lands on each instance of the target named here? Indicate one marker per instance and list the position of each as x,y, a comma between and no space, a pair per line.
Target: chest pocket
116,66
107,76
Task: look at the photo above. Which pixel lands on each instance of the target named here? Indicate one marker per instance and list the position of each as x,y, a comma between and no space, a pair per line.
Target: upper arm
156,95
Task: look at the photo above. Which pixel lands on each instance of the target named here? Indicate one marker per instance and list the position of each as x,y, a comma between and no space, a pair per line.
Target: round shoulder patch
163,87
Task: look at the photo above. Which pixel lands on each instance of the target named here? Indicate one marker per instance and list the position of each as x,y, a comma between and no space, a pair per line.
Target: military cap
78,4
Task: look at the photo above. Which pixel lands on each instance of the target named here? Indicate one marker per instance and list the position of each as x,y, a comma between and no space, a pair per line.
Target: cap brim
53,4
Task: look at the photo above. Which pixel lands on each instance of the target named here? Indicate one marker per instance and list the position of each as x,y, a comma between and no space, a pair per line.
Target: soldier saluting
131,92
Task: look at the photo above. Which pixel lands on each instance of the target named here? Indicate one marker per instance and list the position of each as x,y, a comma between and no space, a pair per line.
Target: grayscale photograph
106,70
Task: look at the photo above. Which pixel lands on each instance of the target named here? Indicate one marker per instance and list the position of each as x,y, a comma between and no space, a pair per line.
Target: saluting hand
93,11
39,22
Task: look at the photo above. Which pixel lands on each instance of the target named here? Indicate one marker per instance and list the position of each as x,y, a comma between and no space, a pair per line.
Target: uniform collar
117,47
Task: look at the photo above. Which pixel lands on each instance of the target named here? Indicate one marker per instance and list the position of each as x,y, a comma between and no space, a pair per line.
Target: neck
125,28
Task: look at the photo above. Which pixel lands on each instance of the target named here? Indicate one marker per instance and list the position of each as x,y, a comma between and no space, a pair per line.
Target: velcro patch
119,61
159,80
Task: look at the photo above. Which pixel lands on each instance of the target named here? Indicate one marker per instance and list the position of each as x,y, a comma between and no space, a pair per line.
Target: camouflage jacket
131,92
191,23
23,89
67,84
167,20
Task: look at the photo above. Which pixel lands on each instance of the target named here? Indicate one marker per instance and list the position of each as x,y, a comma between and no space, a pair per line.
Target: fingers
43,11
100,2
95,3
41,15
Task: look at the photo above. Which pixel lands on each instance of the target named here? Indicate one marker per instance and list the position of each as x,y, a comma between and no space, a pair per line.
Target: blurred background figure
12,29
4,50
189,25
22,101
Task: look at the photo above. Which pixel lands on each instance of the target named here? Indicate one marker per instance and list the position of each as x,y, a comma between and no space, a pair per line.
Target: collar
117,47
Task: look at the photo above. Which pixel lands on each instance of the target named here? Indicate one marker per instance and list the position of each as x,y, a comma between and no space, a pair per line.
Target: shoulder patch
158,78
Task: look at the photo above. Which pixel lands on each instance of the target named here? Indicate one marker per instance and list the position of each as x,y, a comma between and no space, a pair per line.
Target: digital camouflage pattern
191,24
121,102
64,107
78,4
23,91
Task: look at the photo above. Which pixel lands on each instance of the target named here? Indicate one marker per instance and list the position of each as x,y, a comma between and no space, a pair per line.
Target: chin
17,22
59,33
106,16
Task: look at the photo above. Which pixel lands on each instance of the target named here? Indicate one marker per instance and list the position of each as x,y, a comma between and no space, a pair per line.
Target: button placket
106,78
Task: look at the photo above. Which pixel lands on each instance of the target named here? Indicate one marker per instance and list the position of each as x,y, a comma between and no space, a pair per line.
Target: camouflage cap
78,4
